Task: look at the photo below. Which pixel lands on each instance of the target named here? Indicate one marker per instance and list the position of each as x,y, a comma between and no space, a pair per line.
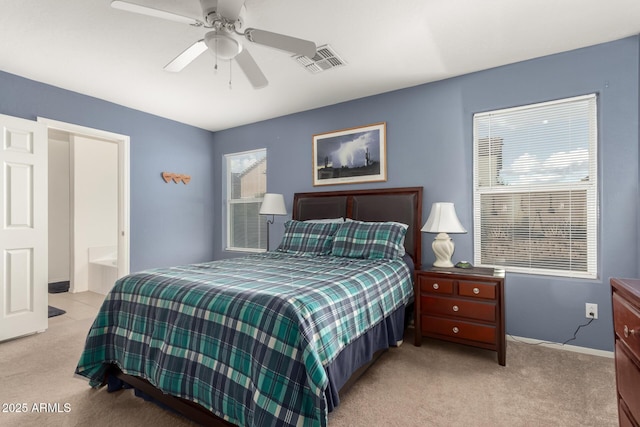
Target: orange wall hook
167,176
176,177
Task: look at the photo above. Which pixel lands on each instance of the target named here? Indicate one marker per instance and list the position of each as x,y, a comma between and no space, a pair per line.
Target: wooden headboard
386,204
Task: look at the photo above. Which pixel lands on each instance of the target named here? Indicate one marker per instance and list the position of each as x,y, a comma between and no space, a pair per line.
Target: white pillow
325,220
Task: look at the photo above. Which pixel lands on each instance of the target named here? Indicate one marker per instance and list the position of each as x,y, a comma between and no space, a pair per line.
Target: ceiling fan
225,19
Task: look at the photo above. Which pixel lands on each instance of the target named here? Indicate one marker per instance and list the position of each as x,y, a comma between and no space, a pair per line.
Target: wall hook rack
176,177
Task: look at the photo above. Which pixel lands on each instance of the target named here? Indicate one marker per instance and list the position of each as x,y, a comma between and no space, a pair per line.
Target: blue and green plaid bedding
247,338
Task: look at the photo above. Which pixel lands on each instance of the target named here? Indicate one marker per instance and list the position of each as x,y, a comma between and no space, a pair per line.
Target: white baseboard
559,346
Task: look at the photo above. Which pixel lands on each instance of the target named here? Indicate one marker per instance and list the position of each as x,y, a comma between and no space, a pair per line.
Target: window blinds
535,188
246,180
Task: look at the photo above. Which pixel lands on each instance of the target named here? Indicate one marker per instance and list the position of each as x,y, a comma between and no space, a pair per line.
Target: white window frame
493,186
230,202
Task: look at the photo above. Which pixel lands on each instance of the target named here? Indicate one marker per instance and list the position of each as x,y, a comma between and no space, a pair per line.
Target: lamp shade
443,219
273,204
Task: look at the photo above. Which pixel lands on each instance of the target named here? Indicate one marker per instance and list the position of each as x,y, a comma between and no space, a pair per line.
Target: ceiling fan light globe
222,46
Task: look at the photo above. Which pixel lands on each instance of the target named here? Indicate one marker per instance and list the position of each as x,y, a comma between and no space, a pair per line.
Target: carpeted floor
437,384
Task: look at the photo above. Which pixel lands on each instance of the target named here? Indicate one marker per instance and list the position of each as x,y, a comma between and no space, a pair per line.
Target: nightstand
464,306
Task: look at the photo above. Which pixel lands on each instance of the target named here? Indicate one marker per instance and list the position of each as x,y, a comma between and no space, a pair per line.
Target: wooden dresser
465,306
626,324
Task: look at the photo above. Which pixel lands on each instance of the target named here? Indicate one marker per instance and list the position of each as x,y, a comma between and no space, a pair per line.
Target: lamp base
269,222
443,248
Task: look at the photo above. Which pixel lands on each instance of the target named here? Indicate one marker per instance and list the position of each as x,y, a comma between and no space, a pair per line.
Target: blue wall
170,223
429,143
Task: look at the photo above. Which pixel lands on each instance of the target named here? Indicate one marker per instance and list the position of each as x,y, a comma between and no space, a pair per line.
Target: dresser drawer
458,329
484,290
627,379
624,419
626,323
475,310
436,285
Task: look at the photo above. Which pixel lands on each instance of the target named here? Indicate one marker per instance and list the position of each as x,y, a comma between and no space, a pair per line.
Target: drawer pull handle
455,330
455,308
436,286
476,291
628,331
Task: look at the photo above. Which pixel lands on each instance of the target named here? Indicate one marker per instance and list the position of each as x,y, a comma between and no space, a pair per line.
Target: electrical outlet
591,310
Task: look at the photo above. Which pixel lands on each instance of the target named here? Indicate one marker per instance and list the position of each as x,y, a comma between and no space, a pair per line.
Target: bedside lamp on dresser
442,220
461,305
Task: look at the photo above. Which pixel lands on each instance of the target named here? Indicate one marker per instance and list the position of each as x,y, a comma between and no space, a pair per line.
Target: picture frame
350,156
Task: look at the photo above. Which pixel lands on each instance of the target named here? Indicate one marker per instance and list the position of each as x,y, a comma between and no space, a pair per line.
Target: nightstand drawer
475,310
626,323
459,329
436,285
477,289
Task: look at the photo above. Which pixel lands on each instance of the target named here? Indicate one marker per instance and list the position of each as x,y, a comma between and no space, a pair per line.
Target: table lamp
443,220
272,204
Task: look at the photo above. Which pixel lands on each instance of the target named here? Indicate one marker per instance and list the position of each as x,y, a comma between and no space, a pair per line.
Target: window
535,188
246,179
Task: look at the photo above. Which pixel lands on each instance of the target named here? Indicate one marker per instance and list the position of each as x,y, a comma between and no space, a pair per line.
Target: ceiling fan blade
230,9
144,10
280,41
250,68
185,58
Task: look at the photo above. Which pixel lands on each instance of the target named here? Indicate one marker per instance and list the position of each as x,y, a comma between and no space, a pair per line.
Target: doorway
94,249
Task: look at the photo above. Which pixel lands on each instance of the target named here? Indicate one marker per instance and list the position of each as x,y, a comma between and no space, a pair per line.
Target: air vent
324,60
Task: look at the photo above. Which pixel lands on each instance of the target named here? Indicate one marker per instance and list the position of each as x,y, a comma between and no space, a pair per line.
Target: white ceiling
88,47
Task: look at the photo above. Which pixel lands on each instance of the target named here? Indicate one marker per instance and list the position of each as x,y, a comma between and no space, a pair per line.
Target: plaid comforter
247,338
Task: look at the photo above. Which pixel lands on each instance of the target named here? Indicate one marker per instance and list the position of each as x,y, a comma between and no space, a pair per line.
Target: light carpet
437,384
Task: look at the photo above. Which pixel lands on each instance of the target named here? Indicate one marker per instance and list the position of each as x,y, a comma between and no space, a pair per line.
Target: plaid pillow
307,238
369,240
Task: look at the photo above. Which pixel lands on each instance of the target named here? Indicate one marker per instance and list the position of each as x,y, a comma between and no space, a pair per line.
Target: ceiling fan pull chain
230,68
215,67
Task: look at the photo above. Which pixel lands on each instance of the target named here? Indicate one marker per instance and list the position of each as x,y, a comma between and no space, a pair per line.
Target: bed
224,346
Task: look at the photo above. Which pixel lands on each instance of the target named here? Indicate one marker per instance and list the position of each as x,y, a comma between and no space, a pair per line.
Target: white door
23,230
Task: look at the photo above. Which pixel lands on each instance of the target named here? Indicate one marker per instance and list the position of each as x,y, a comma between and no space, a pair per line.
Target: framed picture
350,156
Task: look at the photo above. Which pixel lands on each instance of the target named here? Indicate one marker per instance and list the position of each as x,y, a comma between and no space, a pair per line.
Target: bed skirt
385,334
